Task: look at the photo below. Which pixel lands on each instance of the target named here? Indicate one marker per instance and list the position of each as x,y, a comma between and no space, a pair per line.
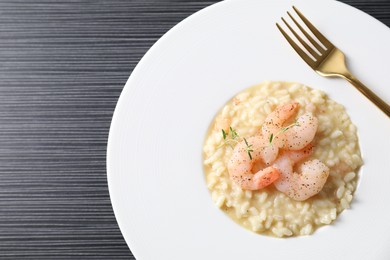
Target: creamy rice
269,211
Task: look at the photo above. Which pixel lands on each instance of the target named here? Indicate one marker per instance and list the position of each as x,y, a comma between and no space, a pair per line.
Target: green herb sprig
249,149
234,133
224,134
230,140
234,139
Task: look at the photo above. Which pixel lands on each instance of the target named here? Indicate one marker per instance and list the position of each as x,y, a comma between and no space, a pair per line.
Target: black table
63,66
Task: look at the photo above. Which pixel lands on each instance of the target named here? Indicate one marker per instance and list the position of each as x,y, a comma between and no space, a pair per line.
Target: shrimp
301,134
285,163
275,120
241,166
307,182
293,137
310,181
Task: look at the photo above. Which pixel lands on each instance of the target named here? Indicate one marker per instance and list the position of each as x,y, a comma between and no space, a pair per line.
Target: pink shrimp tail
267,176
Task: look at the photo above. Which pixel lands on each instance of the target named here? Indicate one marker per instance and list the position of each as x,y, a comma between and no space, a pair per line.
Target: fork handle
380,103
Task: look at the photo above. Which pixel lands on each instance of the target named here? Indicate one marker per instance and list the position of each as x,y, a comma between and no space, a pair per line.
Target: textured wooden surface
63,66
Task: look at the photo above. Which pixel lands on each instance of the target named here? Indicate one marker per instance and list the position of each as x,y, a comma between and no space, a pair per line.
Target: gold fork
328,61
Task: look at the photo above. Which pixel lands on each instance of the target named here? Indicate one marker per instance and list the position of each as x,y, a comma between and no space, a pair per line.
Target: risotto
269,211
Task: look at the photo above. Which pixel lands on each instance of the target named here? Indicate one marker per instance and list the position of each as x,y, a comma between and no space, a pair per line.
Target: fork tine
314,30
316,45
307,47
301,53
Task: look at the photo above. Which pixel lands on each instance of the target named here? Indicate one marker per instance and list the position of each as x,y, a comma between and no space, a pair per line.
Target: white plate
154,163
